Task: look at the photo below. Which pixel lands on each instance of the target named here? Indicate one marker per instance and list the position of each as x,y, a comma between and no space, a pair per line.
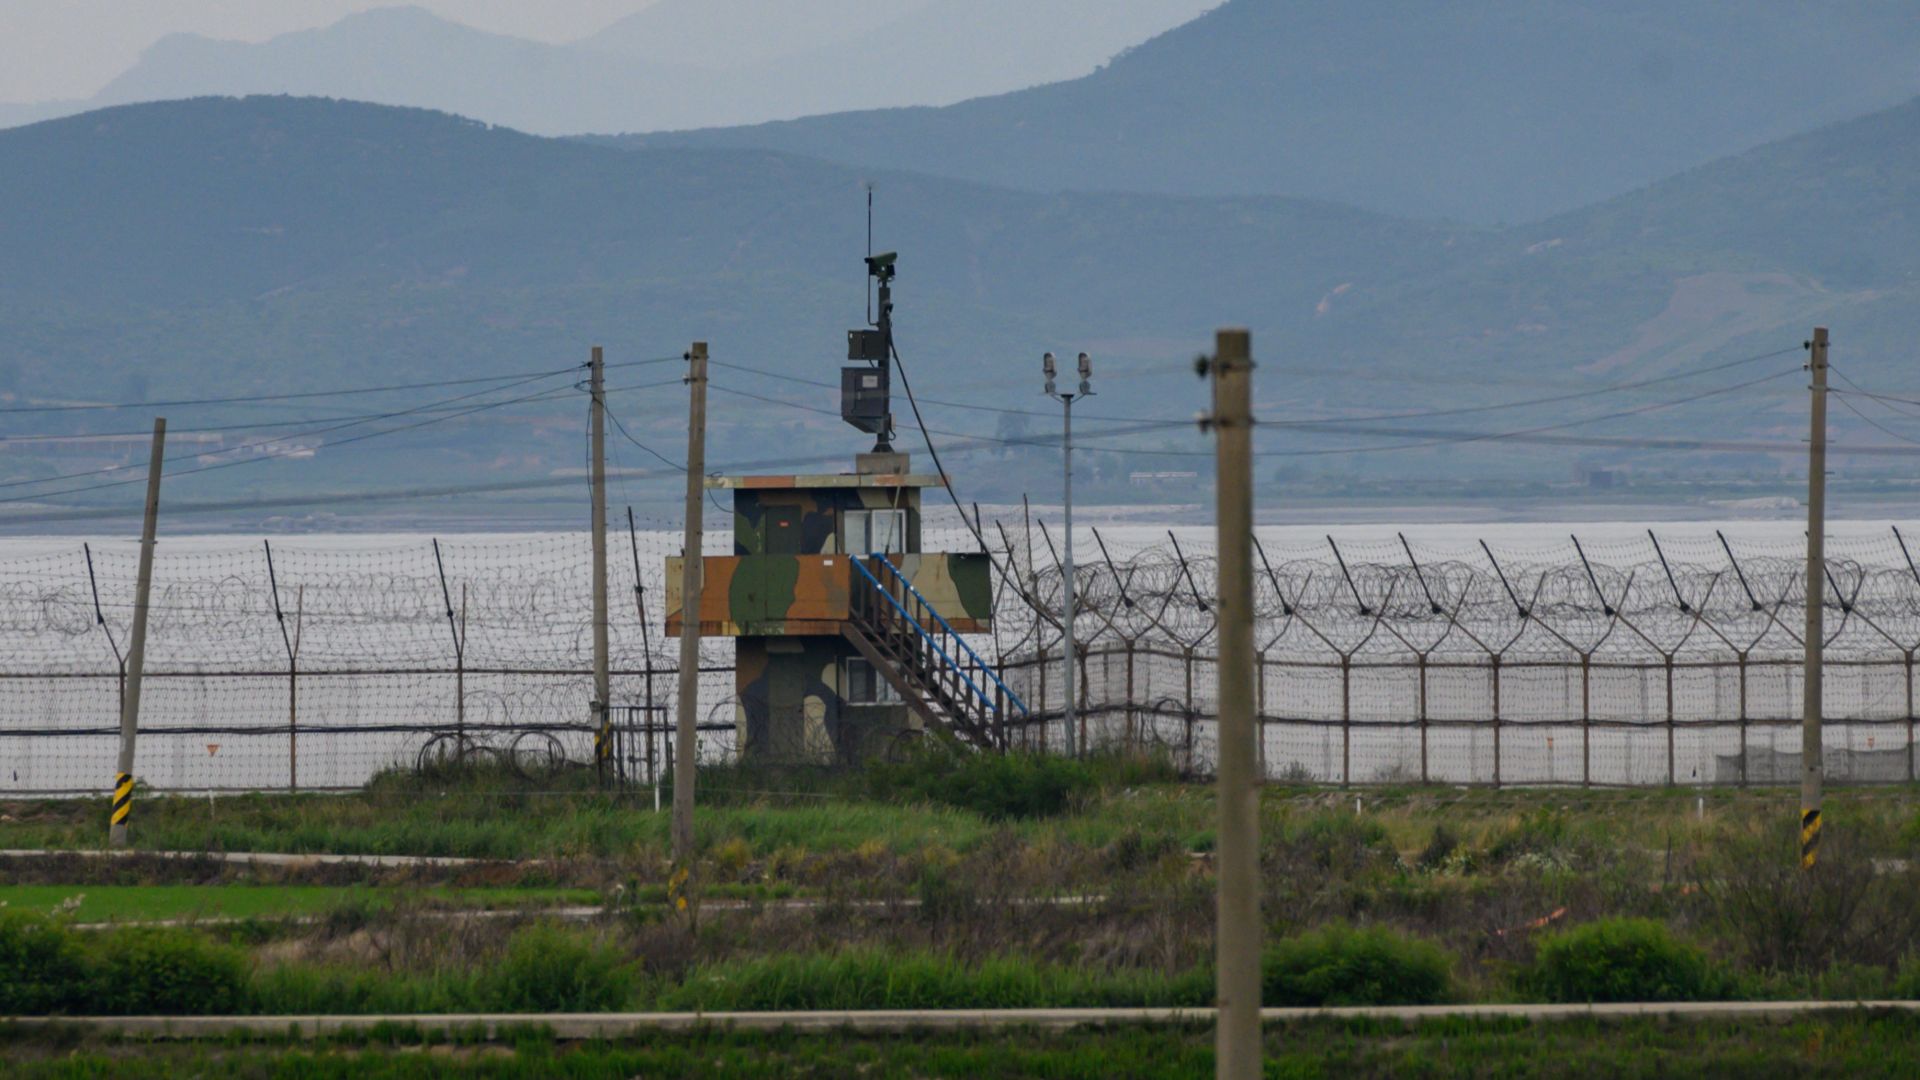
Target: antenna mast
866,397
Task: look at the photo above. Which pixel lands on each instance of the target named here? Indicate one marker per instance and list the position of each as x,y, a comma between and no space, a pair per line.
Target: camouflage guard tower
848,635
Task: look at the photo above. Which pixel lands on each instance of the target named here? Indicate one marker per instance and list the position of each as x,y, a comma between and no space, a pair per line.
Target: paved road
619,1025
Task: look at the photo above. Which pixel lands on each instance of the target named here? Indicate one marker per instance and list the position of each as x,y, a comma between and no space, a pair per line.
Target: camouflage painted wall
791,708
786,593
809,594
813,516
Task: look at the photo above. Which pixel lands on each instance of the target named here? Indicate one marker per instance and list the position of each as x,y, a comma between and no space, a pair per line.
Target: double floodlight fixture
1047,366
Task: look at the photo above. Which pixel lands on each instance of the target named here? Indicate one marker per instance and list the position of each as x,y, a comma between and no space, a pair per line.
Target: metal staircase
930,665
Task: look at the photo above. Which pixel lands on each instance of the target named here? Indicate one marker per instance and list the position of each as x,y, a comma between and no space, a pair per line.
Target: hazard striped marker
1809,838
122,798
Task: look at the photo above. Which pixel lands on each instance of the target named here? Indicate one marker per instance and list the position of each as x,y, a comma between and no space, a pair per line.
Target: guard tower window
865,687
865,532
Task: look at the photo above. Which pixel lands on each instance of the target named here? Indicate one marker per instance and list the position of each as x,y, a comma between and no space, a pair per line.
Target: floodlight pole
1076,736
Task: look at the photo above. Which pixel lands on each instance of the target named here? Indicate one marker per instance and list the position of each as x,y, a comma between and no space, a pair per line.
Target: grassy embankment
986,882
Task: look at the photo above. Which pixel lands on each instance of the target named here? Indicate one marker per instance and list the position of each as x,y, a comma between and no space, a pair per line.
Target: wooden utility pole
1811,764
602,686
690,578
1237,933
137,647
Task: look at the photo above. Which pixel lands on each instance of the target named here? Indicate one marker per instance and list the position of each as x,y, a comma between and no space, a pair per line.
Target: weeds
875,979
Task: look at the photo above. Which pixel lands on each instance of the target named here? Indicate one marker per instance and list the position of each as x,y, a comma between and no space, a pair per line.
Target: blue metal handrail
944,625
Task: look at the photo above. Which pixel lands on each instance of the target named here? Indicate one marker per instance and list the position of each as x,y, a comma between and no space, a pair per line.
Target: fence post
1586,719
293,690
1422,716
1496,721
1910,717
1190,712
1077,696
1132,717
291,642
458,629
1671,776
1743,714
1346,720
1260,713
1043,698
460,673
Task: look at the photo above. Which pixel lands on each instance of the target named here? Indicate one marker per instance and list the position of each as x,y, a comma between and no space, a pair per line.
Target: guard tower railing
940,669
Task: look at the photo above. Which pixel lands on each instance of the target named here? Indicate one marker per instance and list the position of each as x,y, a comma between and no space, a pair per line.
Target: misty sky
58,49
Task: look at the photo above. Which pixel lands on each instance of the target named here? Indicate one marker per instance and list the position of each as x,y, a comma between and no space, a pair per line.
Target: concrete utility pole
602,686
137,647
1237,935
1076,737
1811,764
690,578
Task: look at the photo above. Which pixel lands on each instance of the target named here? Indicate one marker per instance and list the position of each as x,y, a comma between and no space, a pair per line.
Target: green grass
482,825
489,816
873,979
125,903
1833,1045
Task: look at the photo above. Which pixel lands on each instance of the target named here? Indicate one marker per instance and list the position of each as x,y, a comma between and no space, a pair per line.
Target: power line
1442,437
269,442
1855,410
1576,395
304,450
306,395
996,440
349,421
1430,437
208,429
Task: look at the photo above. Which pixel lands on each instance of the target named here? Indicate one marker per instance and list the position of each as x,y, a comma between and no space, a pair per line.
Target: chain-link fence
315,662
1641,662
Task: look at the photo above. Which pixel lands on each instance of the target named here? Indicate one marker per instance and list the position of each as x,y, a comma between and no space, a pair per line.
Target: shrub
995,786
1540,833
1339,965
1438,850
155,971
550,969
42,966
1855,906
1621,960
1906,983
1331,841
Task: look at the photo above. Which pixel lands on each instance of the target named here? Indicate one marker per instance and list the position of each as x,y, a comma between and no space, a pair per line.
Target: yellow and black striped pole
137,645
122,800
602,733
1812,767
1809,836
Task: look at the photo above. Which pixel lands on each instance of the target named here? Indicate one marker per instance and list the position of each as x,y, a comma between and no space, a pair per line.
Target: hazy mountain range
674,64
223,246
282,244
1488,110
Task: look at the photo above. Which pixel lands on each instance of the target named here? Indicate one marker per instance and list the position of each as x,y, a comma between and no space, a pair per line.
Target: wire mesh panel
318,661
1619,661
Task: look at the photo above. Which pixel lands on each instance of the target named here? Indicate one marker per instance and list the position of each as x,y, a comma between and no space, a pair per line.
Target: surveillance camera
877,264
1046,364
1086,366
